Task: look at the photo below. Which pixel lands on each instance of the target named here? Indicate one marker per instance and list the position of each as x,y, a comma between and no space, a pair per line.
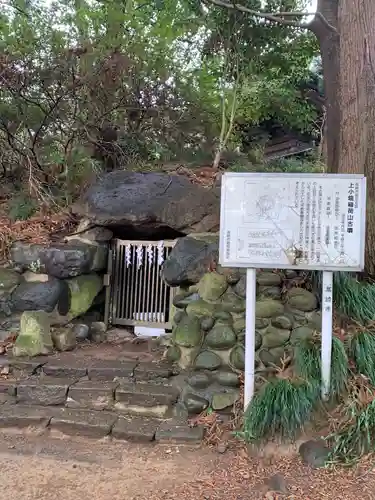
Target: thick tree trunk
357,82
329,43
357,154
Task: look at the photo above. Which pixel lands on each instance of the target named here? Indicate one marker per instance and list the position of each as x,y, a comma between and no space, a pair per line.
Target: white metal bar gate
136,292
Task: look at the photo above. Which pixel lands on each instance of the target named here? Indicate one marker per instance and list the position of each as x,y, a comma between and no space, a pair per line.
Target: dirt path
36,468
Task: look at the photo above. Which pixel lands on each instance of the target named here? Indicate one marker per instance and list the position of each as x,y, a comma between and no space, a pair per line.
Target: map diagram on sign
264,203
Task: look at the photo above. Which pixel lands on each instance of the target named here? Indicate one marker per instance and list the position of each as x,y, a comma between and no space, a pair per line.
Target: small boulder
194,403
35,335
222,400
81,332
314,453
301,299
207,360
38,296
268,308
98,332
190,259
64,339
9,279
212,286
187,332
221,337
237,357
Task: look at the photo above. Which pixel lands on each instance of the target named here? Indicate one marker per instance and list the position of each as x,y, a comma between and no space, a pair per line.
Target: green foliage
21,207
362,351
308,366
353,298
356,437
281,408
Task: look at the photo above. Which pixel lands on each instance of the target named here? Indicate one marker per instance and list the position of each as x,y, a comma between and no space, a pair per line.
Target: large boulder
83,291
60,260
149,200
35,335
38,296
190,259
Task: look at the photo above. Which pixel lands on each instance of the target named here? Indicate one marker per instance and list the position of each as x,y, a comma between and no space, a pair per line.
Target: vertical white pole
250,336
327,326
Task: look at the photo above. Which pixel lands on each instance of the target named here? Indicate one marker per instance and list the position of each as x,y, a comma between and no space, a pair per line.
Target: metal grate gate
136,292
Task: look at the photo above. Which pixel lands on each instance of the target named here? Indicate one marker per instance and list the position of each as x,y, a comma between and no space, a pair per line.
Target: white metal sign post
292,221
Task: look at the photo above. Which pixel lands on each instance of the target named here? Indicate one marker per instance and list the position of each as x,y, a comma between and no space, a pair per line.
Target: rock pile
209,321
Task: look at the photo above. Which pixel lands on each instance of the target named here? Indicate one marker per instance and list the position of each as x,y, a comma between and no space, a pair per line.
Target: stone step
147,399
96,424
154,400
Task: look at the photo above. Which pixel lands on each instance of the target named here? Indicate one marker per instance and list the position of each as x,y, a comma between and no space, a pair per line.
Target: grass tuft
281,408
356,437
308,366
362,351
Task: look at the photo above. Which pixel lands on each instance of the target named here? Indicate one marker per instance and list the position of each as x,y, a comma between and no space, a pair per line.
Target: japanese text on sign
293,221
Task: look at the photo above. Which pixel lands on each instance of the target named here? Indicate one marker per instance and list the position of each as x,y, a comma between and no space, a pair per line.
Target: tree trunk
357,82
329,43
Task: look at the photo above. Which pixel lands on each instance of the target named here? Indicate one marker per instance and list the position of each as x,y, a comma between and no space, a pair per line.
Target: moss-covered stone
182,300
240,287
300,334
230,302
35,334
200,308
222,400
261,323
269,292
269,278
283,322
207,323
83,290
239,325
178,316
237,357
207,360
301,299
223,316
187,332
194,403
270,357
275,337
231,274
267,308
227,378
199,380
221,337
9,280
173,353
212,286
314,320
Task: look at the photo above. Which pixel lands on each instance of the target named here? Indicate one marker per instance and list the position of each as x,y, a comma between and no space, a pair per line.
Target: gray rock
38,296
221,337
269,278
207,323
237,357
240,287
299,298
194,403
149,200
81,331
227,378
61,260
314,453
199,380
207,360
182,300
64,339
190,259
98,332
9,279
222,400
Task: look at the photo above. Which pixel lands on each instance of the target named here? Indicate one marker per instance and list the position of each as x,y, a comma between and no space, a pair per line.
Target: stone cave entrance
136,294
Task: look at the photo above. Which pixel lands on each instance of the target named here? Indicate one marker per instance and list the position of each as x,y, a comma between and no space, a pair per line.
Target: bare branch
279,17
